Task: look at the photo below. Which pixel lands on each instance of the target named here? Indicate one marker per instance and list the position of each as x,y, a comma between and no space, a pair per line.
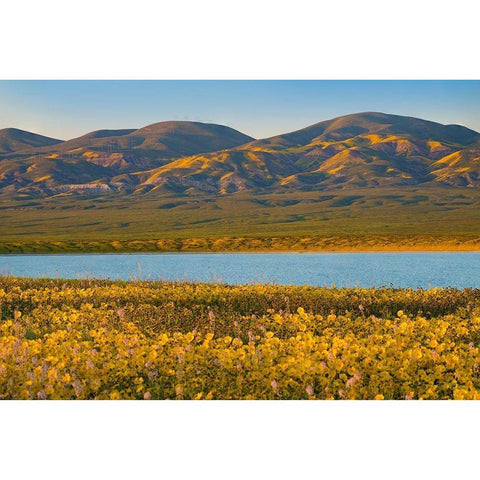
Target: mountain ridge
15,139
362,150
341,123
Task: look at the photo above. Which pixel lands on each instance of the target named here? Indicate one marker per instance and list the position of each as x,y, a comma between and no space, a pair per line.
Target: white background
252,39
208,39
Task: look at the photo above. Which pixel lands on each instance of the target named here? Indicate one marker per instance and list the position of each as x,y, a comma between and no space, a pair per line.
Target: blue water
341,269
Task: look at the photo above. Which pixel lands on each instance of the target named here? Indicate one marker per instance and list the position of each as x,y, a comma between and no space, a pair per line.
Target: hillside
360,150
168,139
100,161
362,174
14,140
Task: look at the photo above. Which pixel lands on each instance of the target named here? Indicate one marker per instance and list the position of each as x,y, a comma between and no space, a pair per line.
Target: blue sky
66,108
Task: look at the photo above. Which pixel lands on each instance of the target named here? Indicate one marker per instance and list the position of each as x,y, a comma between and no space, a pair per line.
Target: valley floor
377,219
95,339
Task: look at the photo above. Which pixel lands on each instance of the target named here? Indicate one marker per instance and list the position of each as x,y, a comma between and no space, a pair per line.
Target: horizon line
227,126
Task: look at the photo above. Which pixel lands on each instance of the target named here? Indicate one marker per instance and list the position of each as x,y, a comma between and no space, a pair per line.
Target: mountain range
362,150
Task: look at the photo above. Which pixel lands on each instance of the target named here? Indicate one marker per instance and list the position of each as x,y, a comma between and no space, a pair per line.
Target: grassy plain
94,339
337,220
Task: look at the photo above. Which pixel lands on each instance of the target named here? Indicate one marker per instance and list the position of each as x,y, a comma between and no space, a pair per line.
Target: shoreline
244,252
319,243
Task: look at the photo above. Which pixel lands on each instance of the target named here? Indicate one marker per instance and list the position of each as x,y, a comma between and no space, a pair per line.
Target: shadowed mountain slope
102,160
13,139
358,124
166,139
361,150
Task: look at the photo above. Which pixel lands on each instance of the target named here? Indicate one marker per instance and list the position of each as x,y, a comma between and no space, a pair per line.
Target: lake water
341,269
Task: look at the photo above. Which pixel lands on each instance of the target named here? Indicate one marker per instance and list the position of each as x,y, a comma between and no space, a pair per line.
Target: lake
457,269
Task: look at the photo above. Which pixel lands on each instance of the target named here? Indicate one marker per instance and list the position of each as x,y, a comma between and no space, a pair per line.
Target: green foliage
380,218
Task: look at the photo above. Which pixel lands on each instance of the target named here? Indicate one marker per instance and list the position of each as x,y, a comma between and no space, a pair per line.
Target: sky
66,109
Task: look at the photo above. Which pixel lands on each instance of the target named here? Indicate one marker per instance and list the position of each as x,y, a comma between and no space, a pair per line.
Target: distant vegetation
336,243
362,219
94,339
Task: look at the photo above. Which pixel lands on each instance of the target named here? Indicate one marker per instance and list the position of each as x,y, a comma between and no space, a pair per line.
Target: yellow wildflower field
96,339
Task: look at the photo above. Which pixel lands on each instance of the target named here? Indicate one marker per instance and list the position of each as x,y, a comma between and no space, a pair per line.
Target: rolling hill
359,150
164,140
100,161
354,151
366,173
14,140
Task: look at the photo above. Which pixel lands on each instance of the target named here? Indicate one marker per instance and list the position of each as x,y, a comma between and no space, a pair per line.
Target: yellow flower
155,348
